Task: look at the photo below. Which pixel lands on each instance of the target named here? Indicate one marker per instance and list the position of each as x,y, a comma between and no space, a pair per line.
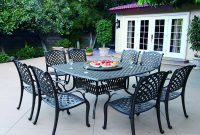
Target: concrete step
175,61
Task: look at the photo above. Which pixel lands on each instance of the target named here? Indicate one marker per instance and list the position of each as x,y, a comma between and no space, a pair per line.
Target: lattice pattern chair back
179,78
128,55
55,57
152,59
24,73
78,55
44,81
150,87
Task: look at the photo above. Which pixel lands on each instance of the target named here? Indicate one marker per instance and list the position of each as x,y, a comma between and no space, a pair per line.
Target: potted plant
88,51
194,39
62,44
104,35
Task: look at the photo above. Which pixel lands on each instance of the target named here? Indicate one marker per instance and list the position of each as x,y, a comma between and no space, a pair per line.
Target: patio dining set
152,87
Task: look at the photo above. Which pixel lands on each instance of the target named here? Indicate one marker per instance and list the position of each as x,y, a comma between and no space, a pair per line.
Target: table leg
95,105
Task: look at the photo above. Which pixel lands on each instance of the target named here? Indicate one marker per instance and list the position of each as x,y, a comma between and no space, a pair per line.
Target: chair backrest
128,55
151,59
55,57
44,82
24,73
150,87
179,78
77,55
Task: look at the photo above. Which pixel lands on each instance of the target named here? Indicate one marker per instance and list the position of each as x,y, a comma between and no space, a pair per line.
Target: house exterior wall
120,34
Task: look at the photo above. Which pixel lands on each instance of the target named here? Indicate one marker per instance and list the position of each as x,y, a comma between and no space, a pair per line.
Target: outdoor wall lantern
117,24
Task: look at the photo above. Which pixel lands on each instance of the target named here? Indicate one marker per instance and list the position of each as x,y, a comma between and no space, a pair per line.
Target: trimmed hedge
4,57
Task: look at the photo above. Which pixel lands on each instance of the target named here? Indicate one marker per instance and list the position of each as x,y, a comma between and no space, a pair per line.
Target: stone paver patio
15,122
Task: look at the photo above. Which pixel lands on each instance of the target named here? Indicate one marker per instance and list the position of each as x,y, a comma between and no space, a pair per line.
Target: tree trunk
92,42
77,44
2,49
104,45
43,41
1,45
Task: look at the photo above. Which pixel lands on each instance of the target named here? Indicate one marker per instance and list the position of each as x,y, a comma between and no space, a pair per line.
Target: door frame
167,34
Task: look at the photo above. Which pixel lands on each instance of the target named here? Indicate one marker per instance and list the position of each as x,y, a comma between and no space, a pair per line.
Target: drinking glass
86,67
112,57
131,63
71,63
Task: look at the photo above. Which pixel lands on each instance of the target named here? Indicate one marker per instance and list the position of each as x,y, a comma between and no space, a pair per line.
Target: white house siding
120,34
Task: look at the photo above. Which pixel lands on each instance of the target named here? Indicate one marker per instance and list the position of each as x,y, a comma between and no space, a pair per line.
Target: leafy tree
104,31
173,2
39,16
86,13
48,16
11,15
194,36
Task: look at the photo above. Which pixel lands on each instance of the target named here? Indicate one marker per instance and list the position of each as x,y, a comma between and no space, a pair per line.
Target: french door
164,33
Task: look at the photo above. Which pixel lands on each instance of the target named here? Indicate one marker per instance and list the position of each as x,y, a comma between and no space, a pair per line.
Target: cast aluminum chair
176,88
150,59
27,83
56,57
77,55
130,56
148,89
60,101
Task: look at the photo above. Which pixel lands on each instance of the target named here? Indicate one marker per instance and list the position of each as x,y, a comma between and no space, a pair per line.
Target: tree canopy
172,2
44,16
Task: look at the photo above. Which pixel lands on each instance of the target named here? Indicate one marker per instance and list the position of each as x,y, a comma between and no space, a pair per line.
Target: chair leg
105,115
21,96
68,112
138,114
132,125
33,106
167,115
137,80
67,80
158,117
55,121
38,110
87,113
183,104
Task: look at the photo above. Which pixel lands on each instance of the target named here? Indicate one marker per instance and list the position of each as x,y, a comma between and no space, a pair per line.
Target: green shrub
3,57
39,51
194,36
26,53
12,53
88,49
64,43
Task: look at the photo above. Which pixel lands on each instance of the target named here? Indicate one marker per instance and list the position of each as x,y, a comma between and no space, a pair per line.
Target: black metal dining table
101,81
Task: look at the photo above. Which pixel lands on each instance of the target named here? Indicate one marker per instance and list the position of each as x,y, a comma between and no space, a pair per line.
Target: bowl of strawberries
104,63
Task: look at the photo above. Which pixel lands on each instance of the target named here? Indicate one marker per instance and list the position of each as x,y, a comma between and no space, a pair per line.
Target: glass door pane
159,35
131,34
144,31
176,33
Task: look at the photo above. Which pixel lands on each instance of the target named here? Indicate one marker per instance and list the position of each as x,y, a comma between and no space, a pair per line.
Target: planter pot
104,51
88,53
196,61
57,48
